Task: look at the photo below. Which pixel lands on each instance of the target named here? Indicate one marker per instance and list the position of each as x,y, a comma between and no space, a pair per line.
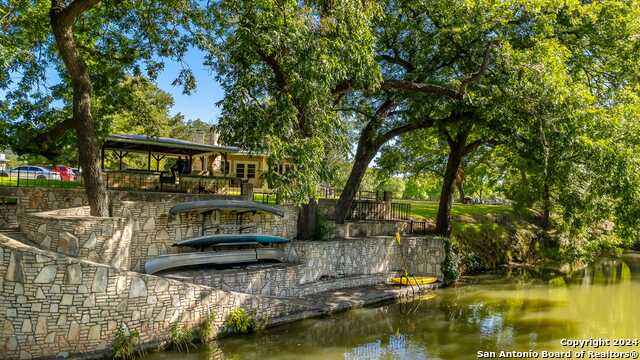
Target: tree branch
410,86
340,90
342,87
280,77
398,61
473,146
481,70
69,13
445,133
399,130
54,133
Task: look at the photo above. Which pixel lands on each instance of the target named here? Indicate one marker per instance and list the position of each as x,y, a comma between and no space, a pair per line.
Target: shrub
181,338
126,344
324,229
451,262
239,322
208,328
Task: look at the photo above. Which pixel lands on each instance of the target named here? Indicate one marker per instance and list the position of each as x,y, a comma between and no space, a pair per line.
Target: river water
498,312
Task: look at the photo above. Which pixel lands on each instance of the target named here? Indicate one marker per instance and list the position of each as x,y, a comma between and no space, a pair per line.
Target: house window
251,171
240,170
246,170
224,166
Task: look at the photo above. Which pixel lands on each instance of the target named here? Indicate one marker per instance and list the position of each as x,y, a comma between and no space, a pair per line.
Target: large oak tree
62,55
299,74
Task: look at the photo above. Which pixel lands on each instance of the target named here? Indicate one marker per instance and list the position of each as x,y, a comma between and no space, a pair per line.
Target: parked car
33,172
66,173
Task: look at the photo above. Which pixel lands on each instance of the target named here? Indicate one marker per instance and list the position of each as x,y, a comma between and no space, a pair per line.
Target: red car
66,174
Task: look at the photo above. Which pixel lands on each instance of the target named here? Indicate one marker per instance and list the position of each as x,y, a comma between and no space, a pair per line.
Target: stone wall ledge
54,305
74,233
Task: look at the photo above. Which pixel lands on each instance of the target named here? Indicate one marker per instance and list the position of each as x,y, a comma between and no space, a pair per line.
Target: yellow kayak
414,280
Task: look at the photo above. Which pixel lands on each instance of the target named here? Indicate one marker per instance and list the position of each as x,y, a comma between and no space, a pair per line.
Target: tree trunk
62,20
454,160
546,203
460,183
364,154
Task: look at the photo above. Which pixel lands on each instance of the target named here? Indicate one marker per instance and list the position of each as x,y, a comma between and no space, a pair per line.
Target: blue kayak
232,239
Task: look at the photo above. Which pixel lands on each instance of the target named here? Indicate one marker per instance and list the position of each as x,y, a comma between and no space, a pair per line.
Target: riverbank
489,312
62,301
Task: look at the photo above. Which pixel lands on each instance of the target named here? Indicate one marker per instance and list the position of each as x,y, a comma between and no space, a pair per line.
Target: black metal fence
166,182
366,210
417,227
124,180
37,177
331,193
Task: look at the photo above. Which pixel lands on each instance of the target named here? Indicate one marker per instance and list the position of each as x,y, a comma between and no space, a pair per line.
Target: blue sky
201,104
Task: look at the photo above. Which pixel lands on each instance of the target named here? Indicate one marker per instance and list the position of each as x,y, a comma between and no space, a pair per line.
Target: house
235,163
206,155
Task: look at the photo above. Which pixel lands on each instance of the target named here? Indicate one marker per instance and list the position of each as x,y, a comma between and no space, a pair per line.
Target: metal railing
37,178
166,182
417,227
331,193
365,210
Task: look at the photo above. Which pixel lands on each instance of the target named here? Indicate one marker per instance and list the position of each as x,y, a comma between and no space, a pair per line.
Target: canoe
229,205
172,261
414,280
232,239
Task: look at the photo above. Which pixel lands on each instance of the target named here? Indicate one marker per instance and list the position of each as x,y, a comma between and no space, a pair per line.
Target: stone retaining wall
73,232
37,199
8,218
54,305
138,231
155,231
328,265
347,257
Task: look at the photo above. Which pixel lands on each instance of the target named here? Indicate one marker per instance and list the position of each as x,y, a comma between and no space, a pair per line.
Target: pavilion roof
164,145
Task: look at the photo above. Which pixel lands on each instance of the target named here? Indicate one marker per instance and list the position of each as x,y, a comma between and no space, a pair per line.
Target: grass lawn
265,198
429,209
6,181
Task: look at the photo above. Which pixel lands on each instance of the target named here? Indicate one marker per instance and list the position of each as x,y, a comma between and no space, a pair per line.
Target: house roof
144,143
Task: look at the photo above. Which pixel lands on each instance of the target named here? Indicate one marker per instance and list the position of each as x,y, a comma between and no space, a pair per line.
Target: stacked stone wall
139,231
8,218
155,231
38,199
54,305
329,265
74,232
349,257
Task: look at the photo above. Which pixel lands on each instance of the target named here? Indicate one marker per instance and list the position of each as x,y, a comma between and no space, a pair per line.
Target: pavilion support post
120,156
190,164
158,158
101,158
226,163
149,161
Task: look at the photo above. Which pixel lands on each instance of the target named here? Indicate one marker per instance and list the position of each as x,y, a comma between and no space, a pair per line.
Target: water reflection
519,311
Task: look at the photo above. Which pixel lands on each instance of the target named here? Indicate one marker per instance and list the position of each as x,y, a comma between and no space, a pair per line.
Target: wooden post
246,190
101,158
149,161
226,162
